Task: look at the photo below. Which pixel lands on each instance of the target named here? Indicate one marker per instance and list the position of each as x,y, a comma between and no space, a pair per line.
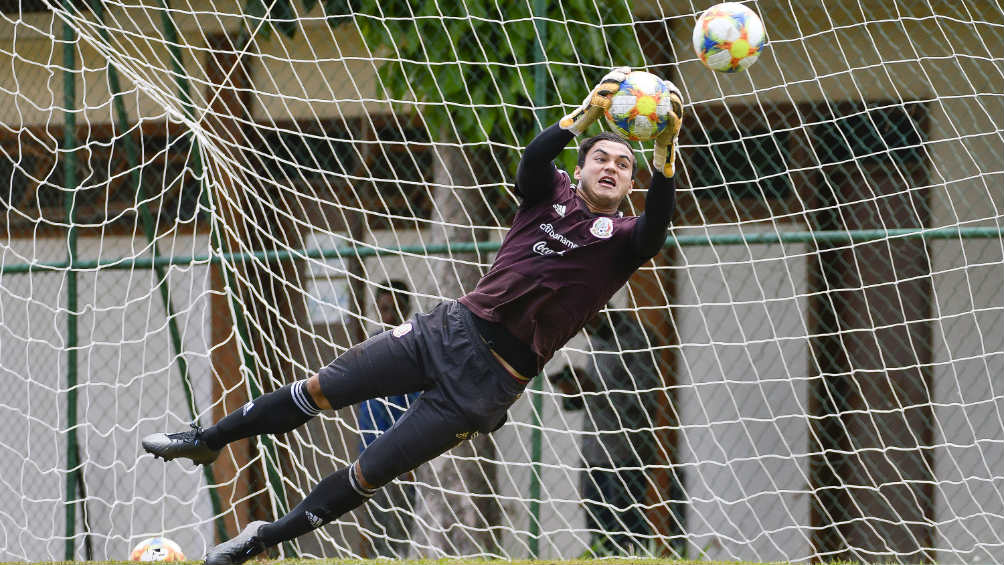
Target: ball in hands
640,109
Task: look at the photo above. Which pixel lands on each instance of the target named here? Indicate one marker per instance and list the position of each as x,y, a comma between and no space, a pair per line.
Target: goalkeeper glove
595,103
664,156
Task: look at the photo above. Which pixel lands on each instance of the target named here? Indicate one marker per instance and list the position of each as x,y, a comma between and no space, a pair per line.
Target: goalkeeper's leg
381,366
430,427
276,412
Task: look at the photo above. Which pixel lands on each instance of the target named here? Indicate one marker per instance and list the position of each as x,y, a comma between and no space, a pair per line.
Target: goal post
202,201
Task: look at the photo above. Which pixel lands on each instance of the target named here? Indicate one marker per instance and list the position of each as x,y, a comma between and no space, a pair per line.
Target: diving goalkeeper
568,251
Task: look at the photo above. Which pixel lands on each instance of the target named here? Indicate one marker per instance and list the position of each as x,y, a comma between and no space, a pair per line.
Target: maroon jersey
558,265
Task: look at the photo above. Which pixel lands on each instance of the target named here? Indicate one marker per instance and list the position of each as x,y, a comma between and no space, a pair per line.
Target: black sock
335,495
277,412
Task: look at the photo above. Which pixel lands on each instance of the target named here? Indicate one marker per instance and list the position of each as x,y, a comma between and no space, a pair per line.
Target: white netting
799,376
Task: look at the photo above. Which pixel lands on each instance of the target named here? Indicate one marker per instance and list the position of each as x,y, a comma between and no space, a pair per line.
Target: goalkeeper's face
605,176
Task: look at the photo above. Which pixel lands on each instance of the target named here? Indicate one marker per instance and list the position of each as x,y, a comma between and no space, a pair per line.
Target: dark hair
588,144
399,289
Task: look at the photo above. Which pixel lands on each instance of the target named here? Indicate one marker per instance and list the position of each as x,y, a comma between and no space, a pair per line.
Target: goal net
204,200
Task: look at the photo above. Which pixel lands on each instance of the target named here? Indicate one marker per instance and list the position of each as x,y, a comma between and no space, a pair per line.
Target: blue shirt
377,415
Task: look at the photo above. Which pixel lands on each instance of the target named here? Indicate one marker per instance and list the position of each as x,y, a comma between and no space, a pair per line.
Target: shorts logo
402,329
247,408
467,435
602,228
314,520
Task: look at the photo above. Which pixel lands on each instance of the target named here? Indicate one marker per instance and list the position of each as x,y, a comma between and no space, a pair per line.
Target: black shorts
465,389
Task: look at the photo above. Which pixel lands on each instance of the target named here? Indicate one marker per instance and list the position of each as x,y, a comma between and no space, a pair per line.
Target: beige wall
320,73
31,65
128,386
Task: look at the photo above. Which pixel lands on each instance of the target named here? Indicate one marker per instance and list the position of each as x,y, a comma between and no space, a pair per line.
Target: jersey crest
602,228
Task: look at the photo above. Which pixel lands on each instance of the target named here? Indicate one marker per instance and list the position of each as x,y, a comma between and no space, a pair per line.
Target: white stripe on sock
300,399
353,482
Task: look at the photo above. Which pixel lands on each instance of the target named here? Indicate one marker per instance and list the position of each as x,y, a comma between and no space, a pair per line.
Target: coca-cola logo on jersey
541,248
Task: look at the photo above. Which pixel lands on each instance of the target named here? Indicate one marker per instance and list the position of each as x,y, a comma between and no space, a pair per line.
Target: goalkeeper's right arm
596,102
535,175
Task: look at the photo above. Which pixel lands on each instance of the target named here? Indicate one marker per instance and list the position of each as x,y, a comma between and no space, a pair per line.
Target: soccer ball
728,37
639,111
157,549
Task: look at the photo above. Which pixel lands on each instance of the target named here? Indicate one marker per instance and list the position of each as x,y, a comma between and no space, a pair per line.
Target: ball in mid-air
639,111
156,549
729,37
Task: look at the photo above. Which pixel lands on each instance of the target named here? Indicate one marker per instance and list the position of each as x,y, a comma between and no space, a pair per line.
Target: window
384,174
329,298
28,6
105,191
740,164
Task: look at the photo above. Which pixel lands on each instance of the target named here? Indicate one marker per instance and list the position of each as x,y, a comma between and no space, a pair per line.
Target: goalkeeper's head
605,172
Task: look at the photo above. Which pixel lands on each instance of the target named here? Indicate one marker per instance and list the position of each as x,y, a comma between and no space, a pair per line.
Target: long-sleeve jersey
560,263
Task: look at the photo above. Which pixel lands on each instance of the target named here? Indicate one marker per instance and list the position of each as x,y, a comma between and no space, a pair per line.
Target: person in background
387,514
618,390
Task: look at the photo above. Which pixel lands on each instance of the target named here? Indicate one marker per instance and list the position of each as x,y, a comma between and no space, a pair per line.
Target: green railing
73,471
756,238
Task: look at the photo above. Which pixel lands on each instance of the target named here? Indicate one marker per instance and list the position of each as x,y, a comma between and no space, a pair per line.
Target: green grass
598,561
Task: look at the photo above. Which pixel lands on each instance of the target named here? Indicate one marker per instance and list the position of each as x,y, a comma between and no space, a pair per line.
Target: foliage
281,15
470,63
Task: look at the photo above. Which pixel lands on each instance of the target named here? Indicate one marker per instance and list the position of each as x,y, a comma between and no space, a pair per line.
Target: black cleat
239,549
182,444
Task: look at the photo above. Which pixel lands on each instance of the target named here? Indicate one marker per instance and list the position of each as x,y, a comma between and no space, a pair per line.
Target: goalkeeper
568,251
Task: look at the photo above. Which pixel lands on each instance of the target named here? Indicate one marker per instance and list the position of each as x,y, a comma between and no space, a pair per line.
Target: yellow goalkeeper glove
596,103
664,156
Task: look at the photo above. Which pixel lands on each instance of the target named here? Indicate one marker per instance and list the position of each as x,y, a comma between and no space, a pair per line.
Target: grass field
605,561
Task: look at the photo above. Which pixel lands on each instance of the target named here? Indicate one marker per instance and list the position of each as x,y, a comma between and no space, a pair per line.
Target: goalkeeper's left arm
650,233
